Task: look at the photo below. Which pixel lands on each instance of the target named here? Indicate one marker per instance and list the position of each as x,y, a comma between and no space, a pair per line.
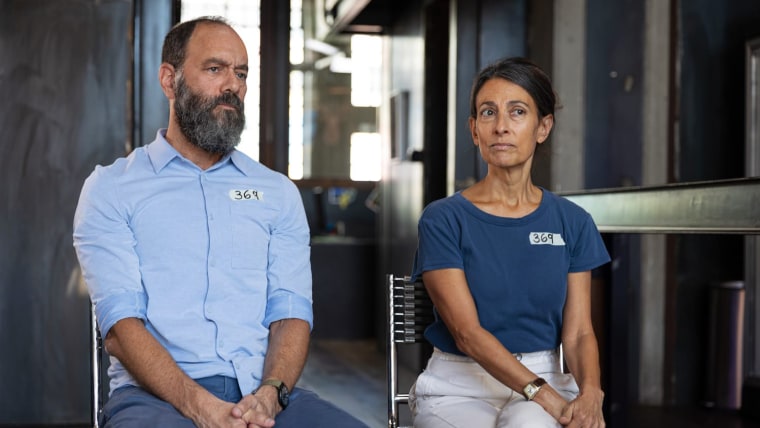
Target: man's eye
242,76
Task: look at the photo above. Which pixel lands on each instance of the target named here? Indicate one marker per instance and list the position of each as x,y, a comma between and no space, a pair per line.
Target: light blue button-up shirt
207,259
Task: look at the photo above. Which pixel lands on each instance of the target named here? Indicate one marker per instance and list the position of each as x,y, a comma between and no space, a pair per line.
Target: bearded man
197,260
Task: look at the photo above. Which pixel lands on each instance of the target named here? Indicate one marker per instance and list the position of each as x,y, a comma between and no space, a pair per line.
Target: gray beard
197,121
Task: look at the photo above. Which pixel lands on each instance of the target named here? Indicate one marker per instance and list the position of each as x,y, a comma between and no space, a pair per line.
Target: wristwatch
532,388
283,395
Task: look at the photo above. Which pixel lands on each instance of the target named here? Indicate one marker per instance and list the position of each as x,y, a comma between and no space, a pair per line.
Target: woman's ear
166,78
474,131
544,128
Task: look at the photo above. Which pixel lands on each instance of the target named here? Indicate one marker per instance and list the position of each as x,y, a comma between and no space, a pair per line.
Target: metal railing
721,207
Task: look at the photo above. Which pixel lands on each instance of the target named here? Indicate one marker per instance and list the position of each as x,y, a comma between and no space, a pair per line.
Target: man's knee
307,409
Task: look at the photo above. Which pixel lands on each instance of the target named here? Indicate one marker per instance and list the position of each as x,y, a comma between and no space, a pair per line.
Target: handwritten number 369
246,194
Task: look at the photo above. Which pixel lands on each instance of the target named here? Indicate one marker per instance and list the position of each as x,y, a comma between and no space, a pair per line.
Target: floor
351,374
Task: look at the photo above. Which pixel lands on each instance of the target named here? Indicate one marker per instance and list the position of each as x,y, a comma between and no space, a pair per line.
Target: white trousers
455,391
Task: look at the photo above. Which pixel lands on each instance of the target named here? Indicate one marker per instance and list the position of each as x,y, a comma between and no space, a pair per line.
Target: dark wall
712,95
64,89
710,147
614,85
487,30
401,190
613,158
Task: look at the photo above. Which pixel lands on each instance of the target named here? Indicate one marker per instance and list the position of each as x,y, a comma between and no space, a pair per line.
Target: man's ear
544,128
166,78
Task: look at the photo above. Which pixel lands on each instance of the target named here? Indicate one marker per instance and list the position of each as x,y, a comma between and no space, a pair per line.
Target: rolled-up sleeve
289,270
105,247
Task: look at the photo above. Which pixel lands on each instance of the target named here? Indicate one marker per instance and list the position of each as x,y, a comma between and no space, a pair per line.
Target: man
197,260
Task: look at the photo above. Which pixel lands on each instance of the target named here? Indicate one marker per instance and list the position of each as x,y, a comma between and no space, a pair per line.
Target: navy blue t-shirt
516,268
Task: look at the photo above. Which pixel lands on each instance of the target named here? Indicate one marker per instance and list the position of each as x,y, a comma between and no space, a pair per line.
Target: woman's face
506,127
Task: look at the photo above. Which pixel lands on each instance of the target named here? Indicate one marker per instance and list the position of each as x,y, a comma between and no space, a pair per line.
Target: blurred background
364,104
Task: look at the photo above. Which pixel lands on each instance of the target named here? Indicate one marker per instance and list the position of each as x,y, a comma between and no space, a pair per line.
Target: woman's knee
460,412
525,414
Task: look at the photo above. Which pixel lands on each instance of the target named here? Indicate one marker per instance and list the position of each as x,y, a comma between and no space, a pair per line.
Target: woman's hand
551,401
585,411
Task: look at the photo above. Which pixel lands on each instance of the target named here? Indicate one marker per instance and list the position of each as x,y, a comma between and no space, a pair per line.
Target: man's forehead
215,40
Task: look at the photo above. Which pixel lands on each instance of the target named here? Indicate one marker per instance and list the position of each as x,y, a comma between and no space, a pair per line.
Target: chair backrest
96,355
409,312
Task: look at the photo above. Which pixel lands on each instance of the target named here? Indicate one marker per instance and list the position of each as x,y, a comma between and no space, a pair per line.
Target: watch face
283,396
532,388
530,391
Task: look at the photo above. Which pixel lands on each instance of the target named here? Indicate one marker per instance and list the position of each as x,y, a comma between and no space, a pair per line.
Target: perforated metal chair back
96,356
410,311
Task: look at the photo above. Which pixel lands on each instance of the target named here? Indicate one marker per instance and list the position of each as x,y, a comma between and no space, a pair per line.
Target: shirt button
221,343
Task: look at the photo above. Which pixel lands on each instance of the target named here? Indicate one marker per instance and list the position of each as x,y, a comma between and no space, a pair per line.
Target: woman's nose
502,124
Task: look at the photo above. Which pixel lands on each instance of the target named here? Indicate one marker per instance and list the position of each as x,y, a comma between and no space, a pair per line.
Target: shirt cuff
116,307
287,305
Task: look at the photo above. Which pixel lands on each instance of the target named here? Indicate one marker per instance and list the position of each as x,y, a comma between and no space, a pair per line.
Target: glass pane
336,103
365,153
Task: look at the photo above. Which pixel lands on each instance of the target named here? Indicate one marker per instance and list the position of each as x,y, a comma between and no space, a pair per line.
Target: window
334,94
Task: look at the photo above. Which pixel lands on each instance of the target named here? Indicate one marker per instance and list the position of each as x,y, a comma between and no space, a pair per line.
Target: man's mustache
230,99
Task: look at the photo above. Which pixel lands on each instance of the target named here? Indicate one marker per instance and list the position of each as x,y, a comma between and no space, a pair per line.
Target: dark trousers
133,407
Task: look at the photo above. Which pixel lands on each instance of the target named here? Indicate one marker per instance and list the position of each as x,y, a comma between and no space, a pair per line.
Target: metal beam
274,84
717,207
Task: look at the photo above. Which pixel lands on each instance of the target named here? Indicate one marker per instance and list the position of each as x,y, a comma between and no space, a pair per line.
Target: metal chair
409,312
96,355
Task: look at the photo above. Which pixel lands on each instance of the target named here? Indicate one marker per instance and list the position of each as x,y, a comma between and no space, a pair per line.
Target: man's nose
232,82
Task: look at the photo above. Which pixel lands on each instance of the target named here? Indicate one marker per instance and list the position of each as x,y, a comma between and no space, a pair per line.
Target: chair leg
96,354
391,358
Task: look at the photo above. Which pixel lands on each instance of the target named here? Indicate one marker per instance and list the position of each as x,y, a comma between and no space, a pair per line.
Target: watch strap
532,388
283,395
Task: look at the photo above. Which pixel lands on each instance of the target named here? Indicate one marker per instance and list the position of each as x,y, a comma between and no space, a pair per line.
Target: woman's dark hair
523,73
175,42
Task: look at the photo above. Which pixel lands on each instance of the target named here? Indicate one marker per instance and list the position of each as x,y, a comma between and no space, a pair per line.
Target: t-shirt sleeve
589,251
438,246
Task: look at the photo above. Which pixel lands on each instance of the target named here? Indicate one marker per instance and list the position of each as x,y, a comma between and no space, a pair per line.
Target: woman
508,267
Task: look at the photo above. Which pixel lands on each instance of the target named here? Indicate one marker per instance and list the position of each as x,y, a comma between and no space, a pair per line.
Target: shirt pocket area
251,233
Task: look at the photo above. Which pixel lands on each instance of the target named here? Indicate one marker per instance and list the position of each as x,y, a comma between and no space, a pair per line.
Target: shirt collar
161,153
242,162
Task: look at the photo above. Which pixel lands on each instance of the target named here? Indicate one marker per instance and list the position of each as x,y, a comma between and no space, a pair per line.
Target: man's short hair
175,42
